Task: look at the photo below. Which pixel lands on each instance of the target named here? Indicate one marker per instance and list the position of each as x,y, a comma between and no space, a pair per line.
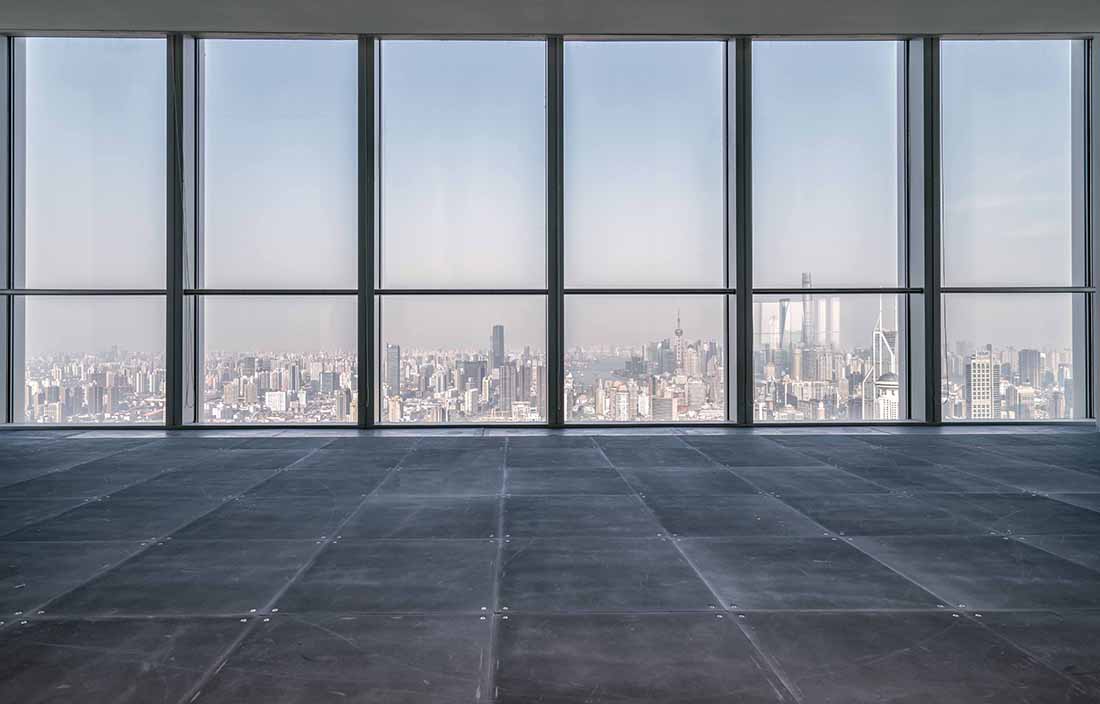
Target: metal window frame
920,259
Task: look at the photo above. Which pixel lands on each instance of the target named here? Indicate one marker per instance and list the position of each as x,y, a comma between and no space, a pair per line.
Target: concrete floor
678,566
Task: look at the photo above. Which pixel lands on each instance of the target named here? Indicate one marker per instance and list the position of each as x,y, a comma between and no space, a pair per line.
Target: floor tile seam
143,546
487,672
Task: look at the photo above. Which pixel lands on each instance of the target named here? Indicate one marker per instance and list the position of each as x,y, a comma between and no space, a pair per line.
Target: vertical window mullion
1092,209
366,197
741,49
555,125
932,201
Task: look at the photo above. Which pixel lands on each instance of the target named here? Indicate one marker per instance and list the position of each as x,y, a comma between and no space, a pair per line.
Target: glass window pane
825,163
280,165
644,164
279,359
89,359
482,359
1010,356
93,123
463,164
645,358
829,358
1011,125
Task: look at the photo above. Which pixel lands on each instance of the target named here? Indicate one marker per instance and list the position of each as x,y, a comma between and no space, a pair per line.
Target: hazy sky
280,164
463,164
463,181
1007,174
824,151
644,161
95,163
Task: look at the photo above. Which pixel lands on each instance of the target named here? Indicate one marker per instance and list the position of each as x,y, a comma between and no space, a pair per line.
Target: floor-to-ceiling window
528,231
828,231
645,254
87,209
461,249
276,241
1013,229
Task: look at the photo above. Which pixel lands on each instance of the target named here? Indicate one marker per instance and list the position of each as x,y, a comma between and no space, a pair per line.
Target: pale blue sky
463,152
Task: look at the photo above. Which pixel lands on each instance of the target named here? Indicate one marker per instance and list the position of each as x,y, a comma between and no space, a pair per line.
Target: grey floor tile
750,452
1067,643
894,657
482,481
330,458
581,457
300,442
237,459
84,481
599,574
1041,478
261,518
925,478
397,575
447,458
367,445
645,457
730,515
988,572
33,573
807,482
697,481
882,514
1019,513
562,440
409,659
684,658
800,573
216,485
565,481
192,578
424,517
117,519
334,483
603,516
122,662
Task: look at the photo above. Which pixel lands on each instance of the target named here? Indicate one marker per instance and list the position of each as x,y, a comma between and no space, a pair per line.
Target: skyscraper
393,370
497,347
983,386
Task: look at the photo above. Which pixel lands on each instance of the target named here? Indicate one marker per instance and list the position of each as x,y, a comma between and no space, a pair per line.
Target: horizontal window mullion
461,292
836,291
83,292
718,291
1017,289
271,292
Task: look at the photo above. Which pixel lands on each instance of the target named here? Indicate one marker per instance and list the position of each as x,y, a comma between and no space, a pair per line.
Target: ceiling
788,17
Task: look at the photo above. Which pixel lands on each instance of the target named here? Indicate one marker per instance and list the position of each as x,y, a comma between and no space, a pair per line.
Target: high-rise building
497,347
392,376
983,386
